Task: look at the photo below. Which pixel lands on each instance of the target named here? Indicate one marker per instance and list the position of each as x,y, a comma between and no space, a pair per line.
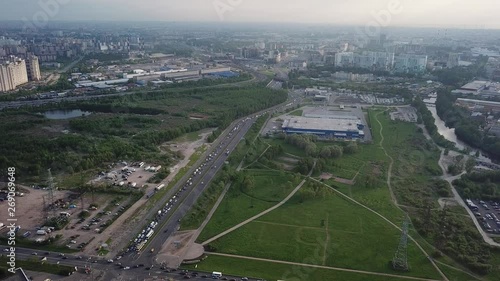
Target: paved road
450,178
200,182
188,199
186,202
112,270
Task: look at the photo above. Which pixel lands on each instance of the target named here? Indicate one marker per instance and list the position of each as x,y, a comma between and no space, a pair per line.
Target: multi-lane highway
186,196
112,270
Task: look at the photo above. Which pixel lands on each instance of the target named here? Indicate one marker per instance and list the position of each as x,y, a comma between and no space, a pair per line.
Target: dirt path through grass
323,267
391,163
327,241
261,214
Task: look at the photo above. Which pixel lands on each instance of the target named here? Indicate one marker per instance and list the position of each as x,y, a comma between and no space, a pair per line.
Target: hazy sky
454,13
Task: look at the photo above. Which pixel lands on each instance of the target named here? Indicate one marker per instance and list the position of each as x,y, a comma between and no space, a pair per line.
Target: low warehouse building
324,128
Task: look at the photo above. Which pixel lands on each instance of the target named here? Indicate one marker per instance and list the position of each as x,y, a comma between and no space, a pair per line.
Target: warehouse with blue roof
325,127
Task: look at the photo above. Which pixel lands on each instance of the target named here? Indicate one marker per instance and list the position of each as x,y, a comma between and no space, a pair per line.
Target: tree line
425,117
469,130
308,144
101,139
480,185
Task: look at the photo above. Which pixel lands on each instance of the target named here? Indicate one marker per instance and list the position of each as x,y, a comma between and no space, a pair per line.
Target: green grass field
329,230
276,271
237,206
337,232
298,112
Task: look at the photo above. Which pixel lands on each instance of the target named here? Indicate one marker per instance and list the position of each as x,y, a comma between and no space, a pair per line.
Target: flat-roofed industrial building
325,128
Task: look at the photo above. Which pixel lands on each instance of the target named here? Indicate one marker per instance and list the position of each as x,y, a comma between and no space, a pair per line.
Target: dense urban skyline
424,13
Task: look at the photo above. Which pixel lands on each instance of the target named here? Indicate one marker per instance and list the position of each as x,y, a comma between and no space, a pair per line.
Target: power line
400,260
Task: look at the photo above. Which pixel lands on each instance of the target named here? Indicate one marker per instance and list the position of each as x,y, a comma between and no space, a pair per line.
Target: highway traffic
174,206
189,191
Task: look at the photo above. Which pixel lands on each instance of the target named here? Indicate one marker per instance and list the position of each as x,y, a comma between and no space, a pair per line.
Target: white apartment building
12,74
406,63
33,68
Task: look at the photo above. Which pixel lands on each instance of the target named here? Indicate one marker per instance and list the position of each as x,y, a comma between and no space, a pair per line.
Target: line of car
142,239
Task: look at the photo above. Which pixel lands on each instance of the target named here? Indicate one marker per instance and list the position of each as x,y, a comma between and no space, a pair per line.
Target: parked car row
487,213
141,240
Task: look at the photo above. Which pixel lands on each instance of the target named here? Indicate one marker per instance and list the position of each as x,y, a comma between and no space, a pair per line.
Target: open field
278,271
239,204
305,223
343,234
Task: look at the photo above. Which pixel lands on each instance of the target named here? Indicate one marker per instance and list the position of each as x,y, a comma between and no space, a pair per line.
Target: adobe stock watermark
224,6
48,10
380,19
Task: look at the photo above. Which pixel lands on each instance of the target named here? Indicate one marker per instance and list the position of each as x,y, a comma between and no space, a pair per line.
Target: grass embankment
35,264
26,243
298,112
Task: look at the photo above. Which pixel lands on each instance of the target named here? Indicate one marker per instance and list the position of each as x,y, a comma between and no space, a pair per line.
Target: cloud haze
457,13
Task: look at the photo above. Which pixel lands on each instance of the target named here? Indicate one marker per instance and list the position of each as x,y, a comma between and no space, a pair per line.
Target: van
216,275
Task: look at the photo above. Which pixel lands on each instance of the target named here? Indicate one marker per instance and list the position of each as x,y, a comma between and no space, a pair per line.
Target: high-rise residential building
407,63
12,74
344,59
368,60
453,60
374,60
33,68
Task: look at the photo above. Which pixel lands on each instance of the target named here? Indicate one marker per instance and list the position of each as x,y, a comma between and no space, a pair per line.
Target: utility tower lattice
50,189
400,260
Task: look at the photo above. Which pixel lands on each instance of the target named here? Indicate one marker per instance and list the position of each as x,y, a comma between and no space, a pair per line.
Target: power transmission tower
400,260
51,188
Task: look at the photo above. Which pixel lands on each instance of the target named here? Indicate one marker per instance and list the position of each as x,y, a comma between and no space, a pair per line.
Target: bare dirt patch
120,231
177,247
447,202
29,209
327,176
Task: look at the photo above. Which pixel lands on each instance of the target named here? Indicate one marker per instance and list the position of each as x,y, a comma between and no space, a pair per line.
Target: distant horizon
462,14
315,24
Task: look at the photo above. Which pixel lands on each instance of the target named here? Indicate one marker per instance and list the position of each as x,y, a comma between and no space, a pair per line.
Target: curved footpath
260,214
450,178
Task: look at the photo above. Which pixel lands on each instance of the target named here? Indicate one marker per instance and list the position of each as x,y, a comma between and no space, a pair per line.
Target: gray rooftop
305,123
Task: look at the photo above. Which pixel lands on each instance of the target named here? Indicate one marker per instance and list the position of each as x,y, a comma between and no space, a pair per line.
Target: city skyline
451,13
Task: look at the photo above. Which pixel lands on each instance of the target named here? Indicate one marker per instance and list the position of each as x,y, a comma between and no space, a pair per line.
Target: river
449,134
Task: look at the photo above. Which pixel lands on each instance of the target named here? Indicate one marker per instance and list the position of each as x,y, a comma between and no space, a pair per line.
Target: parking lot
487,213
407,114
125,174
